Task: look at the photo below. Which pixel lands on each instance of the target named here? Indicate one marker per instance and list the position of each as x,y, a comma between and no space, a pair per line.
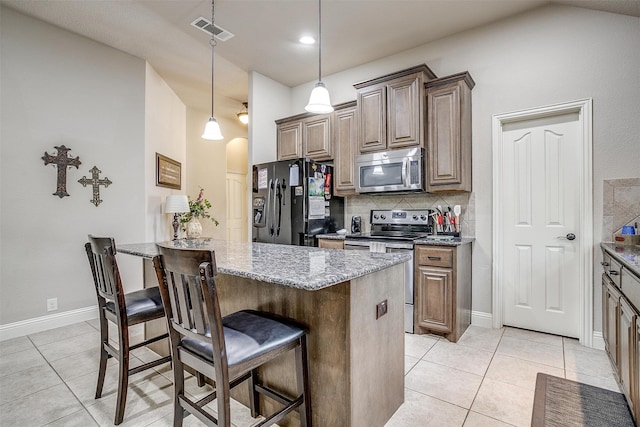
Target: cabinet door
433,304
443,146
290,140
345,139
372,108
605,317
405,116
636,369
316,137
625,356
613,304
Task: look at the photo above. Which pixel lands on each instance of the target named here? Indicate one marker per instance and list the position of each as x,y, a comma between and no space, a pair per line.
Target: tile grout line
66,385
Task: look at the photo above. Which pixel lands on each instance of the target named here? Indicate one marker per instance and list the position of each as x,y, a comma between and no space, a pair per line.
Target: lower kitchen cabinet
442,303
621,327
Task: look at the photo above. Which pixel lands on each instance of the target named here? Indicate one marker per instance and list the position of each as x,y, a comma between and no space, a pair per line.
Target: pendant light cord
212,42
319,40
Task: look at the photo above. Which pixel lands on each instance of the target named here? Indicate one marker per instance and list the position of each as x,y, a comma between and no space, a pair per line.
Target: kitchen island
356,354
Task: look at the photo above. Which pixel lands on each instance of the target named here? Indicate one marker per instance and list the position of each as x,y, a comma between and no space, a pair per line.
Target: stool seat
141,306
247,335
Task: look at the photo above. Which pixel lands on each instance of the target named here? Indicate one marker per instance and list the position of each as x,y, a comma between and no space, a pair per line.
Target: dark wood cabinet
392,110
345,144
442,300
449,133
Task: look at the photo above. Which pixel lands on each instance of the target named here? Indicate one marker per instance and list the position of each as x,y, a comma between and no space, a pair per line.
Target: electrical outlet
381,309
52,304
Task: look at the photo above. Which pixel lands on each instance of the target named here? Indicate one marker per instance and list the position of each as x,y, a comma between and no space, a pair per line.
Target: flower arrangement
199,208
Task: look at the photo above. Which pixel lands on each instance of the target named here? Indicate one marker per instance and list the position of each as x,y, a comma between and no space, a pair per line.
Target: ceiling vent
204,24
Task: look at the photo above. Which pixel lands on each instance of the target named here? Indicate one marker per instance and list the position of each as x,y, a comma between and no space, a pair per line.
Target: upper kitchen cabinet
392,110
449,133
345,145
304,135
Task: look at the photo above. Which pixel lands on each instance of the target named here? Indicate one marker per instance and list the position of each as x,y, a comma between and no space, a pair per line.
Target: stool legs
123,376
302,376
104,356
254,399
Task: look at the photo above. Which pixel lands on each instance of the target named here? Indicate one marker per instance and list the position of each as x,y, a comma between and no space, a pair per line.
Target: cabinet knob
614,273
604,264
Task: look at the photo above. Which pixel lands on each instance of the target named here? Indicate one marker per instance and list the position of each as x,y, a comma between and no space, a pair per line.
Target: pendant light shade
243,115
319,101
212,130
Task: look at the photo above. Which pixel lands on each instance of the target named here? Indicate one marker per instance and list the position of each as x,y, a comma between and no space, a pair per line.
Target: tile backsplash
363,204
621,205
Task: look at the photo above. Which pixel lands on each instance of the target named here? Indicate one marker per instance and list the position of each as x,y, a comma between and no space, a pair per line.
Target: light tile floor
486,379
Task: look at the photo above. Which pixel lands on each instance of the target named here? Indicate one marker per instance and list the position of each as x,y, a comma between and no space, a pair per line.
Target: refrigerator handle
280,203
268,219
276,184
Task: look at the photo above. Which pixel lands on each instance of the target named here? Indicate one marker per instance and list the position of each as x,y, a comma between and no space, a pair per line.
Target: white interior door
540,212
236,207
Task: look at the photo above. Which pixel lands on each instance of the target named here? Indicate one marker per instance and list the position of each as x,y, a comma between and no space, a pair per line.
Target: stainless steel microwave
390,171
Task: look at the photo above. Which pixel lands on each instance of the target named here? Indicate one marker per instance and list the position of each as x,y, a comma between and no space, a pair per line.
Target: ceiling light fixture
243,115
307,40
319,101
212,128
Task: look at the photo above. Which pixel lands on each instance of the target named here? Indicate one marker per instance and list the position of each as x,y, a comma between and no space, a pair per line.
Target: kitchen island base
356,362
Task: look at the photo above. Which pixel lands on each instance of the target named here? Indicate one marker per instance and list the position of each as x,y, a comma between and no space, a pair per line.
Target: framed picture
168,172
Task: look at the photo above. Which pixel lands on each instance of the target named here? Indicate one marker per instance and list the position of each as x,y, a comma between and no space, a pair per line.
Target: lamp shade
212,130
319,101
176,204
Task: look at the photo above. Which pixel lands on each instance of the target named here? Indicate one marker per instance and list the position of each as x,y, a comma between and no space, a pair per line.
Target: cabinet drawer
630,285
434,256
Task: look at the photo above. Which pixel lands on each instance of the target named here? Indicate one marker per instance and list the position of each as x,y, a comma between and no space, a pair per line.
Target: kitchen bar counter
295,266
627,255
355,342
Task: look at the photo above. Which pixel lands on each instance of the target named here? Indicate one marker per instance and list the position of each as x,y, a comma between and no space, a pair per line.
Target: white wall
115,112
268,101
550,55
165,133
59,88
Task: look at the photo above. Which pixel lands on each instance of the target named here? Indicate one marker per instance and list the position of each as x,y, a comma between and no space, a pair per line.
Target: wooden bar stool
226,349
123,310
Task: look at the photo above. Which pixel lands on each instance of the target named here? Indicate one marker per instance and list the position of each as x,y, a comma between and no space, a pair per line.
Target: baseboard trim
44,323
597,340
482,319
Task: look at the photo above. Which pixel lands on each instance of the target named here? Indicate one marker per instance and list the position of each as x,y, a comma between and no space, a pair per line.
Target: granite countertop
299,267
456,241
627,255
434,241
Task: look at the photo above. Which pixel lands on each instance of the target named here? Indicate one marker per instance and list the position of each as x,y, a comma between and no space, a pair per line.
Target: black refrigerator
292,202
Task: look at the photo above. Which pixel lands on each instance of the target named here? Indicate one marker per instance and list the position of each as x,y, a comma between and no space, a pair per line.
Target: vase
194,229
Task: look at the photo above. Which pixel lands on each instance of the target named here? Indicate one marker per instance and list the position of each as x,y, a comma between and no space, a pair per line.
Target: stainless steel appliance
394,231
391,171
292,202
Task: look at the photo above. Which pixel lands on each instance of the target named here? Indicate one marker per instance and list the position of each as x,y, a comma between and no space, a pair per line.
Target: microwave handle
405,172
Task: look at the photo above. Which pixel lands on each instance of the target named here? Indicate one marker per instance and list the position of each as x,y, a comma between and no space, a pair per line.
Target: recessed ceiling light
307,40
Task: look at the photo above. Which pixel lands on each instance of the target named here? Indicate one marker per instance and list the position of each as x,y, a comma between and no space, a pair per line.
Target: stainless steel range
394,231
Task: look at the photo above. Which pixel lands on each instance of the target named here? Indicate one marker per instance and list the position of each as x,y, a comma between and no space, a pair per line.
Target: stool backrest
188,288
101,252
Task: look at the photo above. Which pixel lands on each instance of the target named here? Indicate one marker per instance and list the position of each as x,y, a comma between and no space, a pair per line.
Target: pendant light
319,101
243,115
212,128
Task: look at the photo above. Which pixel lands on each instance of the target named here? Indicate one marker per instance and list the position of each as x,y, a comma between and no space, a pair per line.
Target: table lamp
176,204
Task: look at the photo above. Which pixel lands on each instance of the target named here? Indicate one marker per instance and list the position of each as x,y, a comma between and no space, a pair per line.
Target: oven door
390,171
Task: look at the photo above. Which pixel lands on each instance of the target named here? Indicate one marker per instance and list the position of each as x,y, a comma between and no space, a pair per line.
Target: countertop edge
616,251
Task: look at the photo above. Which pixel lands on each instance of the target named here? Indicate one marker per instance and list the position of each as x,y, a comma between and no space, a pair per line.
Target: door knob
569,236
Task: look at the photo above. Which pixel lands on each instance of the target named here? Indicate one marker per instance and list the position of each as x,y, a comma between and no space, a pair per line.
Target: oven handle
367,244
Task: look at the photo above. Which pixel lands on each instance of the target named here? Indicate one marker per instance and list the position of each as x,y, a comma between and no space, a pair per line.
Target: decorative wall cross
96,183
63,162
